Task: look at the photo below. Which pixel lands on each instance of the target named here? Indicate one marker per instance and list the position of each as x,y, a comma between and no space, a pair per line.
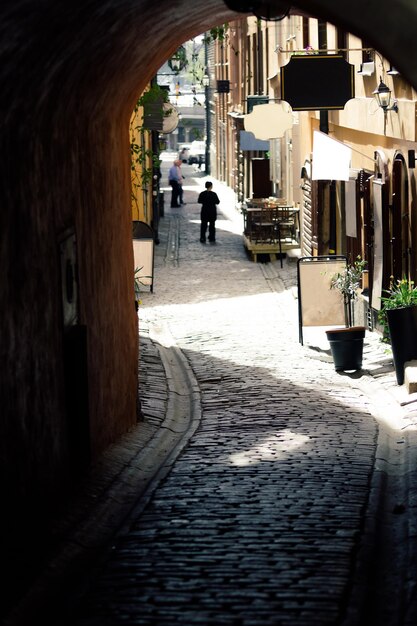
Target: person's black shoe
175,206
202,241
212,240
183,203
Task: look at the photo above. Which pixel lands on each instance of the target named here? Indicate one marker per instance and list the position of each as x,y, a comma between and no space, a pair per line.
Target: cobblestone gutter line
124,478
173,241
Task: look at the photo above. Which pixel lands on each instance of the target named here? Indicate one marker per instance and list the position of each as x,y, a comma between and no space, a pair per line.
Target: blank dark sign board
317,82
318,304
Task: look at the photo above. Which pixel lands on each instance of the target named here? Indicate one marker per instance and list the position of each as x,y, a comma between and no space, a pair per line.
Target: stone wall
69,76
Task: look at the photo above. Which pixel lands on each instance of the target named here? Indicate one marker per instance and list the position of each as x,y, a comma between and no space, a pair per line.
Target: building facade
373,213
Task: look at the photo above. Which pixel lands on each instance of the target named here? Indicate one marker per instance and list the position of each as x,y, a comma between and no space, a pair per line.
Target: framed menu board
318,304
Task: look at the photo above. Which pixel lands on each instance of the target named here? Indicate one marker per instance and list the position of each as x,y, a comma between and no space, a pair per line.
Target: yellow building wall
141,190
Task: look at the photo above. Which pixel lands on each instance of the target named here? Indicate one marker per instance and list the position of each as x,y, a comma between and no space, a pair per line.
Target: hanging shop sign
160,116
317,82
269,121
223,86
170,118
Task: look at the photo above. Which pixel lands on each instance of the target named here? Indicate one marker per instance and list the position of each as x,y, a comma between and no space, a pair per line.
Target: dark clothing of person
175,193
173,179
180,188
208,199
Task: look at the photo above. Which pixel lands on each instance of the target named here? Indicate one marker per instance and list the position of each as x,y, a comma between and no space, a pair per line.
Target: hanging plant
219,33
155,105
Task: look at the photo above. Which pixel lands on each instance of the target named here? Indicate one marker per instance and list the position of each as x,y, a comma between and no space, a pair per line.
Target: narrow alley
275,497
187,460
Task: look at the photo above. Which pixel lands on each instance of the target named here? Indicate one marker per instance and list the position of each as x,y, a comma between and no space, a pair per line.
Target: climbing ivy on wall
143,159
219,33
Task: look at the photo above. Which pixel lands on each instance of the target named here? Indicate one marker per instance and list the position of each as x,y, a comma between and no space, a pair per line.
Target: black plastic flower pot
402,324
346,345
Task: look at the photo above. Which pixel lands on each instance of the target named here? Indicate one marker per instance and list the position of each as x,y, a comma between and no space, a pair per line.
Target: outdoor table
266,224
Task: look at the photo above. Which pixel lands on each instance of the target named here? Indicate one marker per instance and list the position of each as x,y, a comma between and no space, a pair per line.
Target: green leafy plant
138,281
402,293
143,159
137,284
348,282
217,32
154,95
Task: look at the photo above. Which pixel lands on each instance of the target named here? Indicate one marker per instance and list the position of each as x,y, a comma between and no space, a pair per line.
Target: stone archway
70,82
69,76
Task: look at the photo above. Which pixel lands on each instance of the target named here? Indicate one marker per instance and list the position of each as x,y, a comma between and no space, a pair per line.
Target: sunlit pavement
286,494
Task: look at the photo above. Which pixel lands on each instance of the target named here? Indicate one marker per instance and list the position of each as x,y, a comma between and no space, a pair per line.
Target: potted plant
399,315
346,344
137,288
348,283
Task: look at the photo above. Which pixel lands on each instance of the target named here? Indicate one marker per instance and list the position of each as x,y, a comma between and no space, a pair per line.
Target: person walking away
183,155
209,201
174,180
180,179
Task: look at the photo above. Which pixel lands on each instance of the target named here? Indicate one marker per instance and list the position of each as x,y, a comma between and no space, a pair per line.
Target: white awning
331,158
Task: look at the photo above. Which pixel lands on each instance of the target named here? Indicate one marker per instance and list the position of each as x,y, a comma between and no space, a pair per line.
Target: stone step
410,376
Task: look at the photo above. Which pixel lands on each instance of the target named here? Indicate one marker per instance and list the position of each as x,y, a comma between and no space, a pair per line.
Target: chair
286,223
264,225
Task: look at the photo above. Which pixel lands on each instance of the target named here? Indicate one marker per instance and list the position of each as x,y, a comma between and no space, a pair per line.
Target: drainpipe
208,120
324,128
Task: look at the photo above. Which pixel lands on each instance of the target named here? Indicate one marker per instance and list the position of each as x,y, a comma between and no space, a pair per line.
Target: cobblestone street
265,511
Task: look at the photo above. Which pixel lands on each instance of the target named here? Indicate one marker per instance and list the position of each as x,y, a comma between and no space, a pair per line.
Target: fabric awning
331,158
248,142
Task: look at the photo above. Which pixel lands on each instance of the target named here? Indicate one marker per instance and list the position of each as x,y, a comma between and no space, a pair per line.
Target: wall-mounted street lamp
383,97
205,80
178,61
